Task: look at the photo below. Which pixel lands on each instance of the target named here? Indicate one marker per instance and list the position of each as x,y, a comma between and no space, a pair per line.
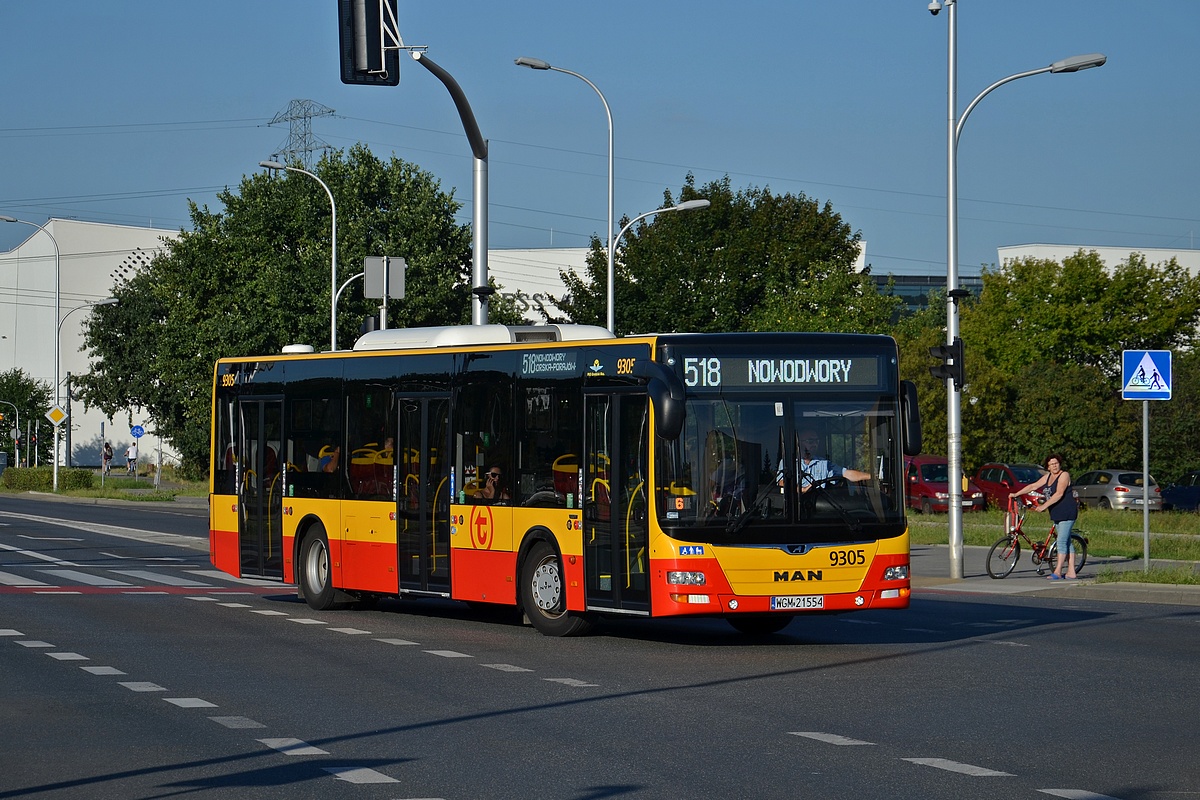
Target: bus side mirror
666,393
910,415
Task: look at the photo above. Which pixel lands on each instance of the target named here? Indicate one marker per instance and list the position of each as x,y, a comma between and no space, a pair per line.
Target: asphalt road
132,670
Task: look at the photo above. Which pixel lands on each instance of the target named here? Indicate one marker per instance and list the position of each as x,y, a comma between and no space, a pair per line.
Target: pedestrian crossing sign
1146,375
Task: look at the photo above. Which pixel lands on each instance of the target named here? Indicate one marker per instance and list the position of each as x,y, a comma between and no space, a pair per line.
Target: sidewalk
931,573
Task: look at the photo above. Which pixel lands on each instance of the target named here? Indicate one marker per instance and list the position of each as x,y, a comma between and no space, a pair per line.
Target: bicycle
1002,558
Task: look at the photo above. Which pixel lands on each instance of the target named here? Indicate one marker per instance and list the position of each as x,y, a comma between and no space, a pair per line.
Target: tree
1035,310
30,399
255,277
751,261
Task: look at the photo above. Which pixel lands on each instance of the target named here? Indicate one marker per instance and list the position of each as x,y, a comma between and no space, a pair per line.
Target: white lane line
506,667
190,702
307,621
269,612
225,576
395,641
237,722
157,577
234,605
49,538
351,631
358,775
68,656
1012,644
11,579
448,654
142,686
204,599
964,769
1077,794
570,682
39,556
44,591
294,747
85,578
34,643
143,593
10,632
119,531
829,738
103,670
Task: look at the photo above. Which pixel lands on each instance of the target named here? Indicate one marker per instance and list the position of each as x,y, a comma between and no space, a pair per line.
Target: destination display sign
748,372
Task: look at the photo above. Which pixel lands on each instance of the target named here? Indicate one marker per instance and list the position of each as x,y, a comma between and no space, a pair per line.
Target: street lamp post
57,306
537,63
108,301
686,205
275,165
953,293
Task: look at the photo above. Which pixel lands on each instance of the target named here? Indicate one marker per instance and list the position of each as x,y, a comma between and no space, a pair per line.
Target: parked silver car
1115,488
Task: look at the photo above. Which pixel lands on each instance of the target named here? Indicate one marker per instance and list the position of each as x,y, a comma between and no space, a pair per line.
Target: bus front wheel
543,594
315,579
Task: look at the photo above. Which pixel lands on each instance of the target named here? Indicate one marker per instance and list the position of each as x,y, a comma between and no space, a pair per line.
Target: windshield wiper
753,512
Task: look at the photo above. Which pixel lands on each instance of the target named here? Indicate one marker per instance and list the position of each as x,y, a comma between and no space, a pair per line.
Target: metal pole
953,399
1146,485
537,63
333,287
479,218
953,396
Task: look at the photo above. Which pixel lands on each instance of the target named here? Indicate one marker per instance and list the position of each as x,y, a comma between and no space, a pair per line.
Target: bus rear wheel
543,594
315,578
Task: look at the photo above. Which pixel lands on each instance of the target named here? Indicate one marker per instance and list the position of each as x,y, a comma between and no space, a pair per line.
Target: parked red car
998,480
927,489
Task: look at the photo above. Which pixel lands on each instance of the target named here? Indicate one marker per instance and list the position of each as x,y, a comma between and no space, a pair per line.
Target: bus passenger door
423,492
260,487
615,532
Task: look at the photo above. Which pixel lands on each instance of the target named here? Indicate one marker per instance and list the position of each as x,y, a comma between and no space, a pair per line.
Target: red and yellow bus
571,474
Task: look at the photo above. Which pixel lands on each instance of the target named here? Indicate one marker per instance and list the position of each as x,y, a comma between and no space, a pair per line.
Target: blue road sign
137,431
1145,374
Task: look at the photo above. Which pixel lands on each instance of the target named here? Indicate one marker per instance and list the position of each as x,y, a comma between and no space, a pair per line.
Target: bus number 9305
847,558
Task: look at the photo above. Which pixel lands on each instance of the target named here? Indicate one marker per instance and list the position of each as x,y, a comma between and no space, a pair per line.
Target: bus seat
566,474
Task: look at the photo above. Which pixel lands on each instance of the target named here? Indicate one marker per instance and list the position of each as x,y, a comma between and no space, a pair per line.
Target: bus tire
544,596
316,579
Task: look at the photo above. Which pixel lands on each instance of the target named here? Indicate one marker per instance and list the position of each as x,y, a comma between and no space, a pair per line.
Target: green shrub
41,479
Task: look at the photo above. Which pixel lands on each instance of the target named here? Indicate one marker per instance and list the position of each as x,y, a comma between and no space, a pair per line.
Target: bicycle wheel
1078,547
1002,558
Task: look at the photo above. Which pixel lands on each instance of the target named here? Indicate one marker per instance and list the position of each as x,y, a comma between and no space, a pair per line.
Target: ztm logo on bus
481,528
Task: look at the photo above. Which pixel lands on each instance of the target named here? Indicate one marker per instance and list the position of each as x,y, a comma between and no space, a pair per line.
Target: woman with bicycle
1057,498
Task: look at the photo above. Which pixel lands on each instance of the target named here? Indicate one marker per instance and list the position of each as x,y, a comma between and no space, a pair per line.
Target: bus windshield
783,470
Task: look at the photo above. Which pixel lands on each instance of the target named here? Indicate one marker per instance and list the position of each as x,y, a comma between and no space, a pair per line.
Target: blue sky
120,112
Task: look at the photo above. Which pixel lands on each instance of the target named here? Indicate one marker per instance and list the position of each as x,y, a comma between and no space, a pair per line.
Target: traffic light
367,34
951,356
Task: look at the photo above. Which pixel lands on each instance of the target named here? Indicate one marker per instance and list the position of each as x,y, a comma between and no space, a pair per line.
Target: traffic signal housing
363,29
951,356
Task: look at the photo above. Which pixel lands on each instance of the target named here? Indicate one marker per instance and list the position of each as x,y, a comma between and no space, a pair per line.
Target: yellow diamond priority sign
56,416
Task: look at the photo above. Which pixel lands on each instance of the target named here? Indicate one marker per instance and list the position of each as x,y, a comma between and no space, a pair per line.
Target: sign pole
1146,485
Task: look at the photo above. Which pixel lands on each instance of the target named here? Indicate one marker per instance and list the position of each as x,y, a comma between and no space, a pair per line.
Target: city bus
570,474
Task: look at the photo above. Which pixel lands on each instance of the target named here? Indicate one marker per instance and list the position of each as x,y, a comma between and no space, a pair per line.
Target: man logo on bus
481,528
798,575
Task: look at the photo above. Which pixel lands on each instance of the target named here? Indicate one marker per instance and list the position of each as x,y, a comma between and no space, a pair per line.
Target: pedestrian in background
1056,497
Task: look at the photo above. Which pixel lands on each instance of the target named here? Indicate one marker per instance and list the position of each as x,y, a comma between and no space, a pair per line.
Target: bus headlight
896,573
686,578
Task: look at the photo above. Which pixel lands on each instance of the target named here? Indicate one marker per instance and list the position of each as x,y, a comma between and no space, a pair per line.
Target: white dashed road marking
84,578
829,738
448,654
156,577
237,722
358,775
350,631
964,769
102,670
570,682
142,686
68,656
294,747
1076,794
506,667
190,702
395,641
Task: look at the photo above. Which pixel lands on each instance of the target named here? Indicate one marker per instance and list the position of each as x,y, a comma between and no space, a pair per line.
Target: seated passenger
330,456
492,490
